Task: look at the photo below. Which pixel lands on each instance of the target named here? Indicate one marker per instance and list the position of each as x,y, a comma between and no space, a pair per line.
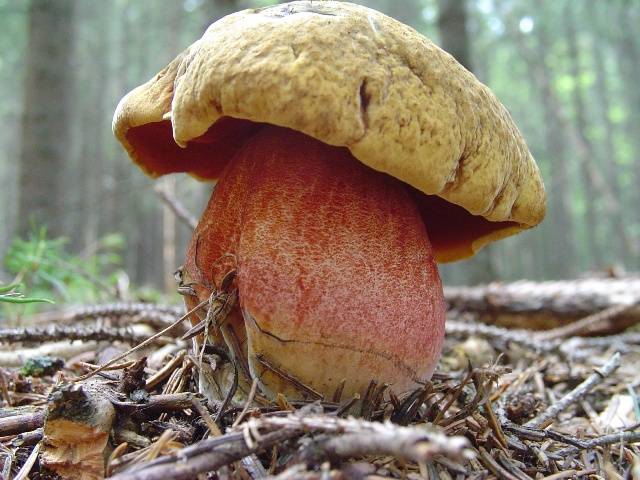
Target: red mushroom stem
335,272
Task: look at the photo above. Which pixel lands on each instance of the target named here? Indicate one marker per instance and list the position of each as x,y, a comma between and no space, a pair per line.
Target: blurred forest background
568,70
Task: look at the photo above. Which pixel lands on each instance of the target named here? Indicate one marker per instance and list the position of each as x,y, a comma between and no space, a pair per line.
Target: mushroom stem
335,272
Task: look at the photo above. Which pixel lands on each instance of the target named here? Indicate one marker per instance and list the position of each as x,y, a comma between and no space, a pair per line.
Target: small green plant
9,295
43,267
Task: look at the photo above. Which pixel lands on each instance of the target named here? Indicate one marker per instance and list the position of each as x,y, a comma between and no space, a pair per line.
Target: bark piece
76,431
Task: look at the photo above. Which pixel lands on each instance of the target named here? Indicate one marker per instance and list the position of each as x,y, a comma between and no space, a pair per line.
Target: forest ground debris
470,420
577,393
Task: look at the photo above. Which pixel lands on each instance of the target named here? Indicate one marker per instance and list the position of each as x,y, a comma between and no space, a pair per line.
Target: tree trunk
406,11
215,9
628,57
90,119
560,255
46,122
454,38
452,27
169,257
623,242
584,146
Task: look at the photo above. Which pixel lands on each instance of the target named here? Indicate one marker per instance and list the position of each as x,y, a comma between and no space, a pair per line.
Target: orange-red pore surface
335,273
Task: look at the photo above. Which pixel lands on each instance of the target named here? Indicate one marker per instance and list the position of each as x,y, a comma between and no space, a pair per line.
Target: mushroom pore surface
336,276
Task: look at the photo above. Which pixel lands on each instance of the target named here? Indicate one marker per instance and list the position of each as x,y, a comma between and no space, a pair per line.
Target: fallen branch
162,314
613,438
63,350
21,423
169,402
572,347
31,335
142,344
27,438
547,305
598,321
521,337
344,438
361,437
28,465
205,456
577,393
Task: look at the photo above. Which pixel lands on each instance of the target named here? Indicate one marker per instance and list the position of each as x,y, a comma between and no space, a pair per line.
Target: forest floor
502,404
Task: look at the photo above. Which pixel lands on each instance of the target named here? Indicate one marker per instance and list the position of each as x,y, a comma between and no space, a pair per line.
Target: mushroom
350,154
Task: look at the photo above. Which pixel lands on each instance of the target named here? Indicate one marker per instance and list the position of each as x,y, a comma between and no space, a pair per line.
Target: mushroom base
335,274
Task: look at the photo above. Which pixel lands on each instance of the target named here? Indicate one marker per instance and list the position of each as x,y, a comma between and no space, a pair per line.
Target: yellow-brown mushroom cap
348,76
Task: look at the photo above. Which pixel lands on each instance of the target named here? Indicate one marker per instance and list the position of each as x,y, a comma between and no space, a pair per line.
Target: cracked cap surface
349,76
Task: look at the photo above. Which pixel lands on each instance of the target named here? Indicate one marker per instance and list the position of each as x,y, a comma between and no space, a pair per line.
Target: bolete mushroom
351,154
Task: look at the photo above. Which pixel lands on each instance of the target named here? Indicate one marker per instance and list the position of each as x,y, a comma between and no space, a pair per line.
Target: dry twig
594,321
577,393
176,207
612,438
361,437
158,314
522,337
143,344
204,456
34,335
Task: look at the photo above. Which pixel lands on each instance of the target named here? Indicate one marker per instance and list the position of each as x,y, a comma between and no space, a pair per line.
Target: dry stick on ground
165,371
571,474
5,389
577,393
253,466
586,324
27,438
66,350
251,462
152,311
21,423
623,339
345,438
162,403
248,402
205,456
535,434
541,305
28,465
69,333
494,467
573,347
214,430
618,437
148,341
522,337
7,457
361,437
511,466
176,207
